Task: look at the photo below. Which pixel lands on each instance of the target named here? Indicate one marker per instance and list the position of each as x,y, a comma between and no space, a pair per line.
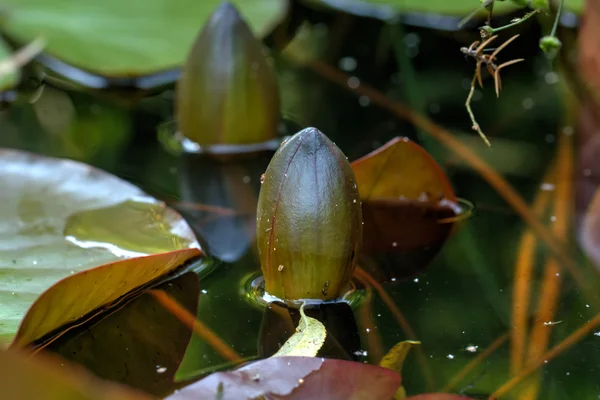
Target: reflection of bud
309,220
227,92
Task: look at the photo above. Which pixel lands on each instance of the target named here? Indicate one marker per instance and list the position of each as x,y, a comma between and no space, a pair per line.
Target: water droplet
368,330
416,280
160,369
204,291
347,64
450,356
471,348
300,381
353,82
354,201
551,78
280,268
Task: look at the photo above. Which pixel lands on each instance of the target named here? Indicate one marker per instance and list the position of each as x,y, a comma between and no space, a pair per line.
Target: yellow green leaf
308,339
394,360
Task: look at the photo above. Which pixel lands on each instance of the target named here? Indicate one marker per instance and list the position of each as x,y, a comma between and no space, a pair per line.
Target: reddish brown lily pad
295,378
53,378
438,396
408,207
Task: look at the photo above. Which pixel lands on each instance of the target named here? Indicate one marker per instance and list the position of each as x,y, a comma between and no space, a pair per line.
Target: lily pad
55,380
408,206
123,39
58,219
140,345
389,8
297,378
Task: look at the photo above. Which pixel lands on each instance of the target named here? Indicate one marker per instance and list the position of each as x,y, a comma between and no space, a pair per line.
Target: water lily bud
309,219
227,92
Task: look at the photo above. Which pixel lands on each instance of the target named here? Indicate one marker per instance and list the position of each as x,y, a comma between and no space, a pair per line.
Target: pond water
459,306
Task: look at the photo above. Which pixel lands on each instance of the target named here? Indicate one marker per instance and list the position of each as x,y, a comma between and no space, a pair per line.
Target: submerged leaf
296,378
308,339
309,221
394,360
59,218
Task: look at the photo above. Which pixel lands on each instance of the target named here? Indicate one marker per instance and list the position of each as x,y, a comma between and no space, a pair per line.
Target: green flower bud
309,219
227,92
550,44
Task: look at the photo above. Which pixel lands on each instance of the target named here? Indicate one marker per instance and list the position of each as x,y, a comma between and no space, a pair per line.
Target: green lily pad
9,79
117,38
59,218
446,7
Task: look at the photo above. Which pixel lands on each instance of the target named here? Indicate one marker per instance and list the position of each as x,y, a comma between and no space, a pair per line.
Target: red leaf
296,378
438,396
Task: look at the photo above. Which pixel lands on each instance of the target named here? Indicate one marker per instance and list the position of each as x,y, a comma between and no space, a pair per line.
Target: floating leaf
386,9
123,39
296,378
227,93
309,223
438,396
59,218
408,206
308,339
50,377
394,360
153,339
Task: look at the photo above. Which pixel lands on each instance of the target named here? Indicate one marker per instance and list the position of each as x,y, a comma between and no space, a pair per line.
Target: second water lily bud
227,92
309,220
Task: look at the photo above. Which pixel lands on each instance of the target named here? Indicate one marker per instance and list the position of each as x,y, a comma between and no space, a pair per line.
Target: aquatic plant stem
571,340
400,319
489,31
365,320
474,363
475,125
523,272
504,189
557,18
195,325
548,300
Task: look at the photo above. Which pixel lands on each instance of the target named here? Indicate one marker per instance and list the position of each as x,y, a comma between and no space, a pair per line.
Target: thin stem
571,340
470,111
558,13
515,22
